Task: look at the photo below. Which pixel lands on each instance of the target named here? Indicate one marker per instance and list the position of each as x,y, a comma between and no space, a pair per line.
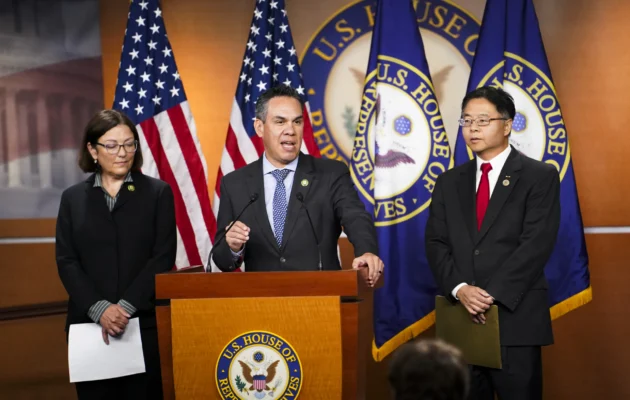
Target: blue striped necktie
280,203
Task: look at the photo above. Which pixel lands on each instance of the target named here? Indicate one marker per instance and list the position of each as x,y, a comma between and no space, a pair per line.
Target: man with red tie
492,227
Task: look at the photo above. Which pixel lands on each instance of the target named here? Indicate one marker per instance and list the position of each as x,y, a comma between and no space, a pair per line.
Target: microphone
300,198
252,199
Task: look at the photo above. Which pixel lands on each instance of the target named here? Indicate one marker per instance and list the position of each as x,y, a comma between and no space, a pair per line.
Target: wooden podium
315,324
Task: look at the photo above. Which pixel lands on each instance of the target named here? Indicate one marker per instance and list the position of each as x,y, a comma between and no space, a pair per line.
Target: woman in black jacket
115,232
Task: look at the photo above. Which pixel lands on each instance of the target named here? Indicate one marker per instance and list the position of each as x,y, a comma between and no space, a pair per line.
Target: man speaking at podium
298,202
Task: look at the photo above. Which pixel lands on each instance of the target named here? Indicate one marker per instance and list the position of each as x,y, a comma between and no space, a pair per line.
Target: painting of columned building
50,85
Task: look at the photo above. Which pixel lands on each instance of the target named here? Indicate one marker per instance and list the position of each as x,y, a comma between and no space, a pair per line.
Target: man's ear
259,127
507,129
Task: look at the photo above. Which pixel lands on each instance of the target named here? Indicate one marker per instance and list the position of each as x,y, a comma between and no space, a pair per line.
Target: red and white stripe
174,155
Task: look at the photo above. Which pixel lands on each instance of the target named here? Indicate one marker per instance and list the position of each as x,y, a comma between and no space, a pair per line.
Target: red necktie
483,194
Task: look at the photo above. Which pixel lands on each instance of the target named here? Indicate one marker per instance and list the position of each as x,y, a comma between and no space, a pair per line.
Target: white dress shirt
493,176
271,183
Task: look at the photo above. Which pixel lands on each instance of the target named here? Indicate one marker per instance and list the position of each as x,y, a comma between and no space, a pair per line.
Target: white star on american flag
275,63
143,5
131,70
155,29
158,13
139,109
134,54
167,52
163,68
140,21
145,77
137,37
159,84
128,87
124,103
152,45
174,92
142,93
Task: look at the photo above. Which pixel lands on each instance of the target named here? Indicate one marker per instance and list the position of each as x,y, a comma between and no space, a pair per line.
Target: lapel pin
131,188
506,182
304,182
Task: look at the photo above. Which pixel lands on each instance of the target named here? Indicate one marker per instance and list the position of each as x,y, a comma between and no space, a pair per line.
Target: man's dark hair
499,97
99,124
428,370
262,104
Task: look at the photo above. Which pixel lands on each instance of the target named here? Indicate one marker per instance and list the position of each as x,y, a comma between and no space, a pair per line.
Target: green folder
479,343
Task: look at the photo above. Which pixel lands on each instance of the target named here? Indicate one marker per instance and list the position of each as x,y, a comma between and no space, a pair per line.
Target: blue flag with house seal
400,149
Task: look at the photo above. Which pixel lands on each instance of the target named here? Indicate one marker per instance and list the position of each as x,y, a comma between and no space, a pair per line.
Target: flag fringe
560,309
573,302
379,353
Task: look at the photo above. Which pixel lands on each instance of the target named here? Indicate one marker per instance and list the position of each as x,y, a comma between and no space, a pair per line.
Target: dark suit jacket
508,255
112,256
332,202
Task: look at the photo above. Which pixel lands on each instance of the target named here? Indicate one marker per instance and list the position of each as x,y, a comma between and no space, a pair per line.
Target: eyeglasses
481,121
114,148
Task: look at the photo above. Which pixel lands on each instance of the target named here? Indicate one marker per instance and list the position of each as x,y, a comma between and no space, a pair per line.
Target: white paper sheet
90,359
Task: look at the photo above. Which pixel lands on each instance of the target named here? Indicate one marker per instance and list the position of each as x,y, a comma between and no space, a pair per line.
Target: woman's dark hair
99,124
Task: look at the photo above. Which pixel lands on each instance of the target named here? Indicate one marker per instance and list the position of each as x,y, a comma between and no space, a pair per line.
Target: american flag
270,59
150,91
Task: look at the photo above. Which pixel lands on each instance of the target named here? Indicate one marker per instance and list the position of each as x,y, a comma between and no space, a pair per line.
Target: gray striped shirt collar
111,201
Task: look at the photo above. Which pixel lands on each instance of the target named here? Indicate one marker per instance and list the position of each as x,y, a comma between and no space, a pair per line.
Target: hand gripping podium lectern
264,335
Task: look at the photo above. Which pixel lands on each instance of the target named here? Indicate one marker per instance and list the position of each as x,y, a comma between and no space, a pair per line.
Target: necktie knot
485,168
280,174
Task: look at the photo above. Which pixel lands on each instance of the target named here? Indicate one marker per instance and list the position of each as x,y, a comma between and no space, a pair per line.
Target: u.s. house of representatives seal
335,60
259,365
538,129
400,140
